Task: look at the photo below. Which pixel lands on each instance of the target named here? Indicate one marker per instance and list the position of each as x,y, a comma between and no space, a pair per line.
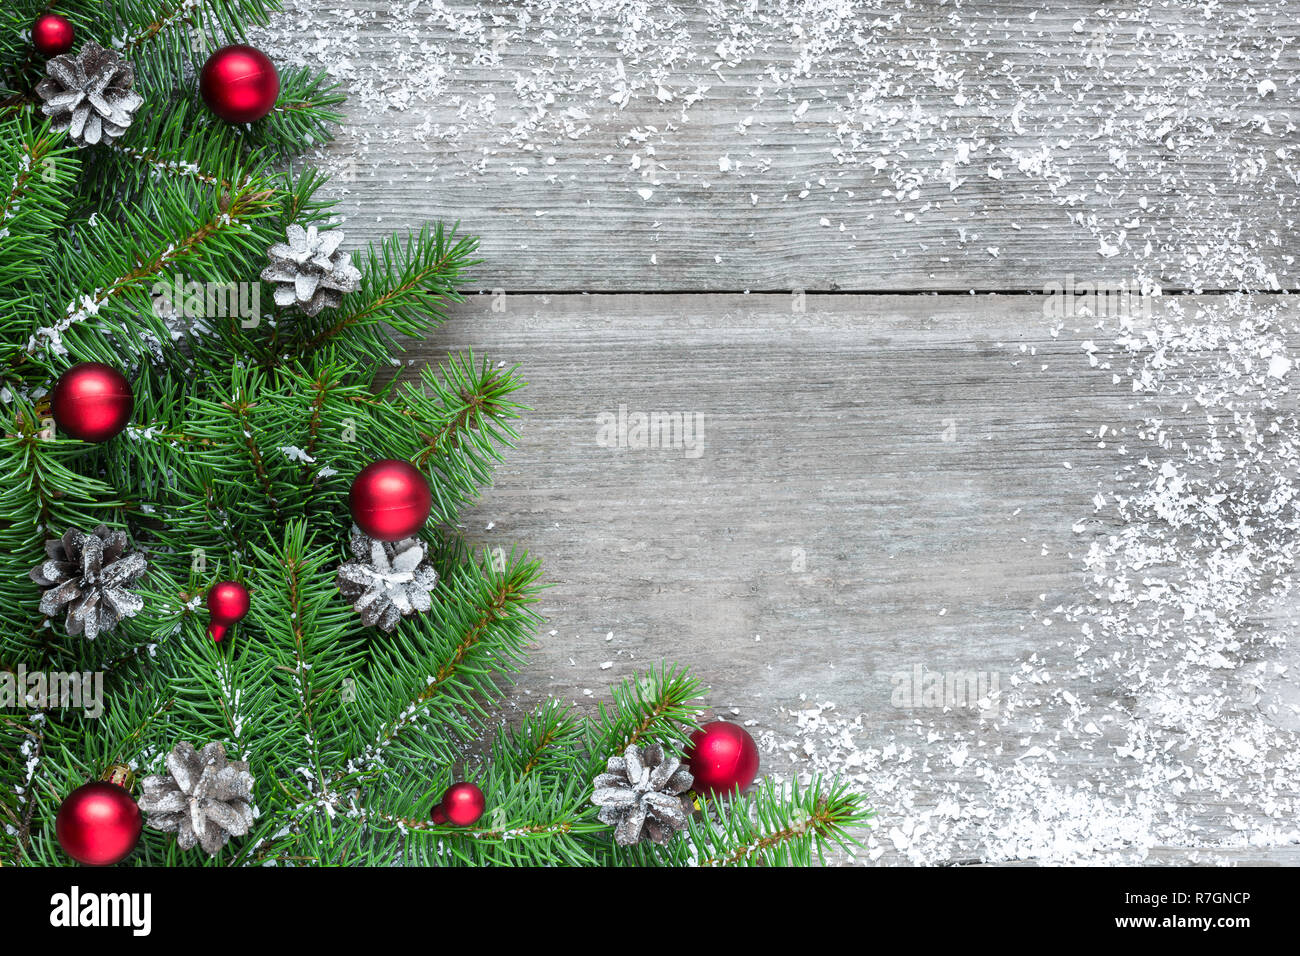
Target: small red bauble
722,757
98,824
462,805
239,83
92,402
227,604
52,34
390,500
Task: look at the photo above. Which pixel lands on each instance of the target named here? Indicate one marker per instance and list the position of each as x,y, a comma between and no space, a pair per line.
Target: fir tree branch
510,592
157,165
660,706
250,202
545,741
241,407
775,826
177,14
403,285
37,761
295,607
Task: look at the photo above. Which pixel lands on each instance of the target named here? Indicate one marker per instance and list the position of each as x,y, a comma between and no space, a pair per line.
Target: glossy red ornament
462,805
722,757
98,824
228,602
52,34
239,83
92,402
390,500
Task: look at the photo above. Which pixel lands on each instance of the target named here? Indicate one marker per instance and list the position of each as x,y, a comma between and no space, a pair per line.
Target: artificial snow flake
642,795
203,798
89,574
309,271
388,580
90,95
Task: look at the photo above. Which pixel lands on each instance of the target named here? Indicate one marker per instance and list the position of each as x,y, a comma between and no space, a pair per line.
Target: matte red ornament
98,824
92,401
390,500
462,805
228,602
239,83
722,757
52,34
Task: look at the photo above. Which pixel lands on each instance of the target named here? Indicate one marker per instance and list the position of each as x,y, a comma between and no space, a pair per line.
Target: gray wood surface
885,481
542,137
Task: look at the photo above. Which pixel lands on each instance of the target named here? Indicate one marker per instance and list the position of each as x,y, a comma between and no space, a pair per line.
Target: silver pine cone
89,575
642,795
90,95
309,271
203,798
388,580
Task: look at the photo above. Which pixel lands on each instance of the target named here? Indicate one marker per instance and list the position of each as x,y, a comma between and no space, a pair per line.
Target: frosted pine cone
388,581
642,795
203,798
309,271
89,575
90,95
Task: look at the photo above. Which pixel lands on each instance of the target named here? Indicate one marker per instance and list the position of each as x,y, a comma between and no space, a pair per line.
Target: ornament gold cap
120,775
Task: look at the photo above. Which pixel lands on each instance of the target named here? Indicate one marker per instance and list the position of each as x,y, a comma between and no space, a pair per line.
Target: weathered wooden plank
880,483
779,145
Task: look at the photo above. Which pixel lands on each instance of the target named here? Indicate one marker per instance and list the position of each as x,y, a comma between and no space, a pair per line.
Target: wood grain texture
884,481
1146,133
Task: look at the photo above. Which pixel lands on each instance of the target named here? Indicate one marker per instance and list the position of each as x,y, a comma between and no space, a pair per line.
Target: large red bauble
228,602
52,34
92,402
390,500
463,804
239,83
98,824
722,757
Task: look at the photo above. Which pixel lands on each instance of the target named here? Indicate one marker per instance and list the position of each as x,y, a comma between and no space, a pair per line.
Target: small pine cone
203,798
388,581
89,575
642,794
309,271
90,95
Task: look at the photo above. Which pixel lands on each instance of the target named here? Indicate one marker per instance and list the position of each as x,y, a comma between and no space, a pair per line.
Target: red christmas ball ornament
722,757
239,83
462,805
92,401
98,824
228,602
52,34
390,500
